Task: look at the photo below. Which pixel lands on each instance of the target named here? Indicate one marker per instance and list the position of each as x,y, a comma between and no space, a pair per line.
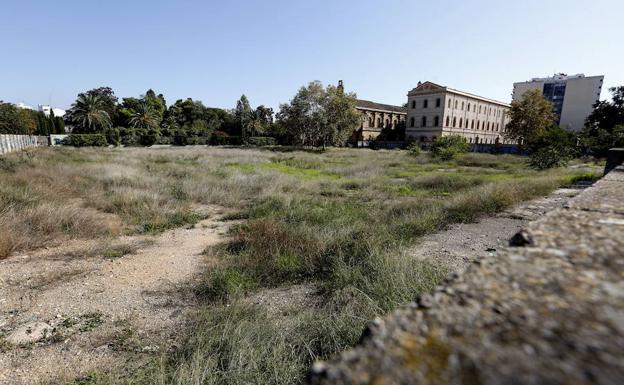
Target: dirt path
64,310
456,247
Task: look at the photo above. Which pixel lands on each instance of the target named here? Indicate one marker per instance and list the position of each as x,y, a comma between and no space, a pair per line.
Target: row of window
380,123
436,123
482,109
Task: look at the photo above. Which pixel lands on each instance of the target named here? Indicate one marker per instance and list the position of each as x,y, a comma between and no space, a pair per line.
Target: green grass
340,221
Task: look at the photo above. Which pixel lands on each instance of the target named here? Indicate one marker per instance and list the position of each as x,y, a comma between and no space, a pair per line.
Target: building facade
573,97
434,111
375,117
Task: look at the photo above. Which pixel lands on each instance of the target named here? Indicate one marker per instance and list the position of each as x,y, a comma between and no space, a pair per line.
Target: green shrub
148,137
261,141
113,136
413,149
86,140
555,148
448,147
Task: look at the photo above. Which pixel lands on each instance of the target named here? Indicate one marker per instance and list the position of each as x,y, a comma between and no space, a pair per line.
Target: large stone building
434,111
573,97
376,117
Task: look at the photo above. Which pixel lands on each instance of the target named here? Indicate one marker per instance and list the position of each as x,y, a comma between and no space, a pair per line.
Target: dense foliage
21,121
604,128
530,117
448,147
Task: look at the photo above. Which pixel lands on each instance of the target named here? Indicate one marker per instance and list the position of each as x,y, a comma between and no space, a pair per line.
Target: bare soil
89,309
456,247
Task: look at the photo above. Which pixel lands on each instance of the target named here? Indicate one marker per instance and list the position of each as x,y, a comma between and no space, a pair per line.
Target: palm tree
144,116
88,114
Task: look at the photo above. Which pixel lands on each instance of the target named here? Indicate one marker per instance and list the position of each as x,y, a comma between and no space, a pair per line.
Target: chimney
340,86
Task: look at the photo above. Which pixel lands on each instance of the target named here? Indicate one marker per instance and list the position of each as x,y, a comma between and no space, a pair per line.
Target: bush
555,148
413,149
148,137
86,140
448,147
261,141
113,136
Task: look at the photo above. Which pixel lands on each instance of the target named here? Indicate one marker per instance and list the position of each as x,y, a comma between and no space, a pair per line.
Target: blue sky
216,51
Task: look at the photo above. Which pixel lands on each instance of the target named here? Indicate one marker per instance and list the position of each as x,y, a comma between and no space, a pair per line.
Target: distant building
434,111
374,118
573,97
59,113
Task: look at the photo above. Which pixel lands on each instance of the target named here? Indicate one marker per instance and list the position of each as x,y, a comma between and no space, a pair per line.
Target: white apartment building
573,96
434,111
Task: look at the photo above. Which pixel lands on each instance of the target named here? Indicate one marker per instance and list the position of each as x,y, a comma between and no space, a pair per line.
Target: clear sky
215,51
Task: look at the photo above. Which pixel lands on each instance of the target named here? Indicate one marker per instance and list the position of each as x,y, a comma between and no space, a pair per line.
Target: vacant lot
319,246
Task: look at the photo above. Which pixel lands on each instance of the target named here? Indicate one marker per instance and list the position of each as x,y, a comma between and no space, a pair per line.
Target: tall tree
144,116
530,117
88,114
604,127
319,117
244,116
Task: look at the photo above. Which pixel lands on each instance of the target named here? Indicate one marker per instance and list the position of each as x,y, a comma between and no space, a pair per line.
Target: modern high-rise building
573,97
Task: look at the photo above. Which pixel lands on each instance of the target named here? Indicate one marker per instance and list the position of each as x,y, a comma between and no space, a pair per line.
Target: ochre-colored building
434,111
375,117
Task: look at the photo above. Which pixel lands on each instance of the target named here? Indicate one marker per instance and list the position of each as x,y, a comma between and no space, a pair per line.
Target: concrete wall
548,311
10,143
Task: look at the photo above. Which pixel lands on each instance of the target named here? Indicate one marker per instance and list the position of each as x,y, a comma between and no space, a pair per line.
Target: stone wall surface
549,312
10,143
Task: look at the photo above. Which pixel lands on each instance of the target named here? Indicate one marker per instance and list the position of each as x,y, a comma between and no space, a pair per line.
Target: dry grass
340,220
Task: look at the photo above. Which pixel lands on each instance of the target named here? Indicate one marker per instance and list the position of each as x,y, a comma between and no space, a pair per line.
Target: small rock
29,333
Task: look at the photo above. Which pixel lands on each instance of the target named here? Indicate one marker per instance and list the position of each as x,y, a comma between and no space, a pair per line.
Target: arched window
387,123
438,102
412,122
370,121
454,122
479,109
423,121
461,121
468,107
456,104
497,126
466,123
488,126
436,121
413,104
425,103
472,124
379,121
478,124
449,103
447,121
469,140
462,106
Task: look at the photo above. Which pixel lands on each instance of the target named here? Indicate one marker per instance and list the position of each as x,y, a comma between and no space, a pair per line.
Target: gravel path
63,311
458,246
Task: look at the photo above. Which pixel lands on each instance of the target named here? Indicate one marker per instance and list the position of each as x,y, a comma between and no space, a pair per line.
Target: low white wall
10,143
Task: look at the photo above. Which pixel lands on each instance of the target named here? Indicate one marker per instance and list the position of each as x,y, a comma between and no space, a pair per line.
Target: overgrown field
338,221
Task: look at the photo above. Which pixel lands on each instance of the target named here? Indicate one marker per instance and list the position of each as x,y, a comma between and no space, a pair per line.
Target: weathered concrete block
615,157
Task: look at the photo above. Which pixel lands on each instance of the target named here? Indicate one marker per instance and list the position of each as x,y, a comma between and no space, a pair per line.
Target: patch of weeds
585,177
5,345
127,339
172,221
90,321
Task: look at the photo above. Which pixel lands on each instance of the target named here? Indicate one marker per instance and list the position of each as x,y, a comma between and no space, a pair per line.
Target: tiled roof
368,105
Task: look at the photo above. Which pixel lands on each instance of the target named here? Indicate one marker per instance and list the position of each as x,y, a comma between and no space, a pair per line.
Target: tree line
22,121
532,125
316,116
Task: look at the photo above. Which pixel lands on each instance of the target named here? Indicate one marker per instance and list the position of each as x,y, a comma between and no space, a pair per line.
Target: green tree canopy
319,117
88,114
530,117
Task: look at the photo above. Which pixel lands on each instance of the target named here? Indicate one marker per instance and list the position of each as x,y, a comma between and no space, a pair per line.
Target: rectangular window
425,103
438,102
413,104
